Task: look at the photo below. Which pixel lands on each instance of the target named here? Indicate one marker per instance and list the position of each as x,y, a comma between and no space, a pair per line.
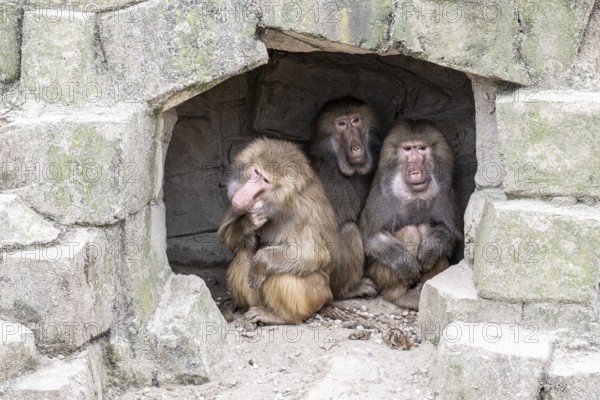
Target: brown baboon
344,147
282,229
410,222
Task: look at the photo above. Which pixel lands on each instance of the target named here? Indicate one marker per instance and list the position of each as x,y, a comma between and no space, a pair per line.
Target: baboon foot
410,299
261,315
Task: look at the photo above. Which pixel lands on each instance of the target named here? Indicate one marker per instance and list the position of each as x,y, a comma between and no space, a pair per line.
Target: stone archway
86,90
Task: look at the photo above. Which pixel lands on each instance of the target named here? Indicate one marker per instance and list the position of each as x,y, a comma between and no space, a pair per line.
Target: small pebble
349,324
338,321
282,369
360,328
405,313
363,308
258,381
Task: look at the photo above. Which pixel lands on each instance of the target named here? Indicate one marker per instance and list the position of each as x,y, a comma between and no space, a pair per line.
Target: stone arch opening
280,100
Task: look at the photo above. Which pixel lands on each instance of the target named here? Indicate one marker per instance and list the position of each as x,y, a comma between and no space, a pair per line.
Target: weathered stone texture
548,143
18,354
472,218
59,62
21,226
45,7
451,296
573,375
488,362
489,171
532,251
79,377
552,34
62,291
81,167
187,331
552,316
586,67
185,48
478,37
360,23
10,25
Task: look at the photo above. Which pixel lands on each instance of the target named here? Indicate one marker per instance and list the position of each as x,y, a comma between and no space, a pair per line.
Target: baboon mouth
358,160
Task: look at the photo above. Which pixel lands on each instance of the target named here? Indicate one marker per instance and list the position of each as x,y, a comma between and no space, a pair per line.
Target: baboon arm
237,231
385,249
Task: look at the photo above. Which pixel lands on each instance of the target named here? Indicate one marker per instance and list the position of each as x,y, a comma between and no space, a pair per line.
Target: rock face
109,106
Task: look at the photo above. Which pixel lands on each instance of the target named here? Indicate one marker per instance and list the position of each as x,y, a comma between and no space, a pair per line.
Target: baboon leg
237,279
347,276
292,298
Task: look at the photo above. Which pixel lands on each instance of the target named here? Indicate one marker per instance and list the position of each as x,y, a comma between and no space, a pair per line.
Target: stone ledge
476,362
451,296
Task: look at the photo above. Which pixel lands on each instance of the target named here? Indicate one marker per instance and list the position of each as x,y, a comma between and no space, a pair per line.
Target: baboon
282,229
410,222
344,148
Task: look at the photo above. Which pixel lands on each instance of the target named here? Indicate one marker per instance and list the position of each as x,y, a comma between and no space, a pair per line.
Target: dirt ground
313,360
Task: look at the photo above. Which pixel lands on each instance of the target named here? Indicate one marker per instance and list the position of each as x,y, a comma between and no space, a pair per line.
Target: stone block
477,37
144,268
170,51
555,316
81,167
62,291
537,158
21,226
59,59
549,48
489,362
204,249
78,377
451,296
528,250
359,23
45,7
186,331
573,375
18,354
10,26
473,215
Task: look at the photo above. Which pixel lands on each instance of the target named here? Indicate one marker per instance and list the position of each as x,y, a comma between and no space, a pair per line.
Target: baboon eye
342,123
355,120
266,180
407,148
422,148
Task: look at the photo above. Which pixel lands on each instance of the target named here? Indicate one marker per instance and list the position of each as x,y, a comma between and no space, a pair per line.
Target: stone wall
88,89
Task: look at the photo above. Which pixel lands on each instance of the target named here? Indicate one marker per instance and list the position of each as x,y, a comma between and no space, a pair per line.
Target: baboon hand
257,275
